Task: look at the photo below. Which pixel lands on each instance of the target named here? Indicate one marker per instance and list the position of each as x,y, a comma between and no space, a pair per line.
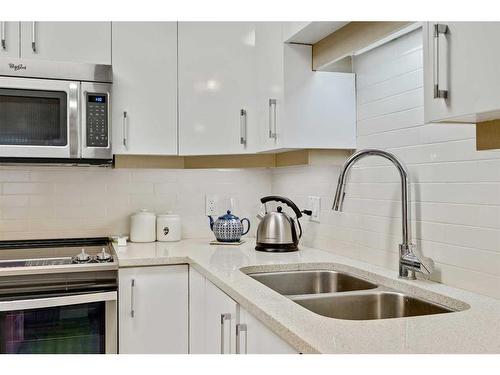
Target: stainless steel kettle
277,231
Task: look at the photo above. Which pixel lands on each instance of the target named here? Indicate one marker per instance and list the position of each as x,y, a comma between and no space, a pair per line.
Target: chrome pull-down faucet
409,262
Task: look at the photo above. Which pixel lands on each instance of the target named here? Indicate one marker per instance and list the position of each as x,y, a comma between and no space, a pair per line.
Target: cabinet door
320,107
255,338
83,42
153,310
212,317
270,74
9,39
298,107
467,66
220,321
197,303
145,88
217,82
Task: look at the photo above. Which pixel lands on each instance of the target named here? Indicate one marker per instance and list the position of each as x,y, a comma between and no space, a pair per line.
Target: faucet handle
419,264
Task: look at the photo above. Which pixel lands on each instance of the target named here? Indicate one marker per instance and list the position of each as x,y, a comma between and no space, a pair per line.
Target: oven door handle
40,303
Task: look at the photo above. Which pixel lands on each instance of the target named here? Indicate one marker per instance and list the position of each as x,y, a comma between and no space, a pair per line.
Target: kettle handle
288,202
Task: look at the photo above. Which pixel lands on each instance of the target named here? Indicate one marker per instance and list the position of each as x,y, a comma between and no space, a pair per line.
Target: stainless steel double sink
341,295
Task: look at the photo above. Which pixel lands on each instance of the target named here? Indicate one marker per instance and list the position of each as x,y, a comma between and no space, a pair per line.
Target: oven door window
74,329
33,118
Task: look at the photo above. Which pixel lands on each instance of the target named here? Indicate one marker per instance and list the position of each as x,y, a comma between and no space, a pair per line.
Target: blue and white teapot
228,228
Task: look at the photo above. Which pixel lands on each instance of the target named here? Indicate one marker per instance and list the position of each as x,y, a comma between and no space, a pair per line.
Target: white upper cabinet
270,83
461,71
9,39
144,88
320,107
83,42
242,90
299,107
217,88
153,310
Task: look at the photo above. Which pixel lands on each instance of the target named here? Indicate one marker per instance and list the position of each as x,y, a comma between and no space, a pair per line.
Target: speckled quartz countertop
473,330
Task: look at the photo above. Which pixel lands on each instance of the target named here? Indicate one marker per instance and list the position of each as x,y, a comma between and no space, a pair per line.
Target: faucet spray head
338,201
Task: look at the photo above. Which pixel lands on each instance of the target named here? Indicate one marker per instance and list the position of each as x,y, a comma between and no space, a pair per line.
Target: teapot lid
228,216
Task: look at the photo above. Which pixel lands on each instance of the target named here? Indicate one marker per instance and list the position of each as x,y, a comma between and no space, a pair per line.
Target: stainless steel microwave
53,112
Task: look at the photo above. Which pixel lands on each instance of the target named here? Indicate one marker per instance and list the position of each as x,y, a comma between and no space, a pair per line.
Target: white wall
41,202
456,189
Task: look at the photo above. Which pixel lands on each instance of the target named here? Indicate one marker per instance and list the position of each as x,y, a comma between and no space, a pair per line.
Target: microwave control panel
97,120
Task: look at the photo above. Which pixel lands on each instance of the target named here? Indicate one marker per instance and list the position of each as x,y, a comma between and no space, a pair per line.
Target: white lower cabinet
253,337
153,310
219,325
212,317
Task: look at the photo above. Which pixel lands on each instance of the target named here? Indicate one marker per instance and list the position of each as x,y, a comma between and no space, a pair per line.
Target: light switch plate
315,207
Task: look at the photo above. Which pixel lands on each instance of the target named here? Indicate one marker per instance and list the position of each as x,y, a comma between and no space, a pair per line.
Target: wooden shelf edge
271,160
488,135
350,38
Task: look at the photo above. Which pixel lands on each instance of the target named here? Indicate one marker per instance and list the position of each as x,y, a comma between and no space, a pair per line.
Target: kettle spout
211,222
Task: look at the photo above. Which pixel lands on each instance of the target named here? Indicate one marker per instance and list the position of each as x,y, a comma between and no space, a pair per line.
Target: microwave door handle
41,303
73,121
33,36
2,31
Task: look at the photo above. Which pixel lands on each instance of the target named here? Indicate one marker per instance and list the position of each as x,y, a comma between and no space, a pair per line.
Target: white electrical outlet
315,207
211,204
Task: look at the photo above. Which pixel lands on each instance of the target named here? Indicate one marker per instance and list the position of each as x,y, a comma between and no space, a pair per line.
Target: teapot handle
248,226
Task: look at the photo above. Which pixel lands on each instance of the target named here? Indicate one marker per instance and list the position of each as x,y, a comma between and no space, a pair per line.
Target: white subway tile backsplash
14,176
13,200
392,86
390,122
393,104
455,189
27,188
56,202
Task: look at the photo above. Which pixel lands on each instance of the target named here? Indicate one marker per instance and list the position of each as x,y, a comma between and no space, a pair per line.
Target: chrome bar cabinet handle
132,297
272,118
223,318
243,127
439,29
33,36
239,329
2,35
125,130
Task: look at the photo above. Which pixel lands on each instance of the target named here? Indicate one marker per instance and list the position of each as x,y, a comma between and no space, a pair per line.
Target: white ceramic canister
168,227
143,226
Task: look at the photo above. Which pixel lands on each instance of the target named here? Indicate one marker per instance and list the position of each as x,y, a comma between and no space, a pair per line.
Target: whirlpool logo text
17,67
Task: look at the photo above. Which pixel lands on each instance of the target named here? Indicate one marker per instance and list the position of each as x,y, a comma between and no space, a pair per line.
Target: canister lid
144,212
168,214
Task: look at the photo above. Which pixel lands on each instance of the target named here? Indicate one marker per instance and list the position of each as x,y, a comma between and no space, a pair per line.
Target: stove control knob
83,257
103,256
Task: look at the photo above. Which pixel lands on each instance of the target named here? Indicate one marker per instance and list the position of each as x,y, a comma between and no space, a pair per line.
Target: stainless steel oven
55,112
48,321
58,297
